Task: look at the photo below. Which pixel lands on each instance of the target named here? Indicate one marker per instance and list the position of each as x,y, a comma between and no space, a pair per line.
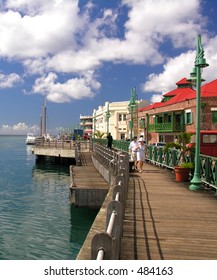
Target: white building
115,123
114,118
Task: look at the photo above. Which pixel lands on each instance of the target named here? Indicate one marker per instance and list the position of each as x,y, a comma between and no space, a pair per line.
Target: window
122,117
209,138
214,116
169,118
188,117
123,136
161,138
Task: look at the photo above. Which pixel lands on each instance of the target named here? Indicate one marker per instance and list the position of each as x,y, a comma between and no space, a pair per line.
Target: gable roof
182,84
209,89
182,93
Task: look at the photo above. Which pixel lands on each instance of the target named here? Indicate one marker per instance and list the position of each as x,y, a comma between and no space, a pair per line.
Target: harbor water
37,221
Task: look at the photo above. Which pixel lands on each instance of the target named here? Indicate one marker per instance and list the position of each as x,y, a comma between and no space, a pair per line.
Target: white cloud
157,21
156,98
20,128
55,37
179,67
39,28
8,81
52,27
174,70
76,88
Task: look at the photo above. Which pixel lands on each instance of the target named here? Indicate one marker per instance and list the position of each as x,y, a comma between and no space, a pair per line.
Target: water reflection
36,218
81,220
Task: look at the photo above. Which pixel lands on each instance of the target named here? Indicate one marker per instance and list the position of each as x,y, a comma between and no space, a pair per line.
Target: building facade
86,123
112,117
115,118
165,120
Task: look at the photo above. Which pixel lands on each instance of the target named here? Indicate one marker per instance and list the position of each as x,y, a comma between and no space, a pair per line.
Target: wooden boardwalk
86,176
88,187
166,221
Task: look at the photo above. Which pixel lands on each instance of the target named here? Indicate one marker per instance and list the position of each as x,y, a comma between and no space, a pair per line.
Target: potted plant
185,165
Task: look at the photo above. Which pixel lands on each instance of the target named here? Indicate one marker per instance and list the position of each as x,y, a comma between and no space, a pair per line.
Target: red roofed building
164,120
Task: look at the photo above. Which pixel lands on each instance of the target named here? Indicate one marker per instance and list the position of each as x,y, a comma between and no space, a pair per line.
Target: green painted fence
170,158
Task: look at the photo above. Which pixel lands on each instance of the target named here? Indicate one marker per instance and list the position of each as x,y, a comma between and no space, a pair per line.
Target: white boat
30,139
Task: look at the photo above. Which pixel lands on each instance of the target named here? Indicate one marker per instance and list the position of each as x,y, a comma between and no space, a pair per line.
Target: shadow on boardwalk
164,220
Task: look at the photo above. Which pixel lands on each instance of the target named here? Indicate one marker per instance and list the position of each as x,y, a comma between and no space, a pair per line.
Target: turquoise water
36,218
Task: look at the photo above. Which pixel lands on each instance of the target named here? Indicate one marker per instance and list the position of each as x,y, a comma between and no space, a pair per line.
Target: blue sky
79,54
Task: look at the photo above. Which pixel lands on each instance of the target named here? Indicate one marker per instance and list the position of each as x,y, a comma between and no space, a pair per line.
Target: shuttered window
214,116
188,118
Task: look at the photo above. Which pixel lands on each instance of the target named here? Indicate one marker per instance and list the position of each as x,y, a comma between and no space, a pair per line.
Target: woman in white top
141,154
133,148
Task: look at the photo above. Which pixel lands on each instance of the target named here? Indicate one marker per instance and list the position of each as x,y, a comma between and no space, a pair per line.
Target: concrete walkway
164,220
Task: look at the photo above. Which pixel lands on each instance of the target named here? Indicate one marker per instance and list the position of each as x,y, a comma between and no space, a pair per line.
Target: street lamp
131,108
200,62
108,115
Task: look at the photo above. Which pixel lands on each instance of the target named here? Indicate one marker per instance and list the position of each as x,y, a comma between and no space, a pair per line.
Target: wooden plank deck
86,176
166,221
88,187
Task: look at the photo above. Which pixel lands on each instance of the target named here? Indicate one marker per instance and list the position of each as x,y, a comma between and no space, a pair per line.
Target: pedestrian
85,141
141,154
110,139
133,147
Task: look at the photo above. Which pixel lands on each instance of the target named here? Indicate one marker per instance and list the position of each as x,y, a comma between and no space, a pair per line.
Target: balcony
166,127
88,123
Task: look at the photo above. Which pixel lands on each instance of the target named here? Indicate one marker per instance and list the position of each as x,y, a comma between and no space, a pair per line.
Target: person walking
133,148
110,139
141,154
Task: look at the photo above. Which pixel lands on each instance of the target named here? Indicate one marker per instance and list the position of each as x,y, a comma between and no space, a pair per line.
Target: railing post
115,207
102,242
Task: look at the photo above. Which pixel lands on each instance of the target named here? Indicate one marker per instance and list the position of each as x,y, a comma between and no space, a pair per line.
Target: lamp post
108,115
200,62
131,108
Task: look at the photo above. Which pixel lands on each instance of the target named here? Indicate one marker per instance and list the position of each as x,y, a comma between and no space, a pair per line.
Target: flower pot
182,173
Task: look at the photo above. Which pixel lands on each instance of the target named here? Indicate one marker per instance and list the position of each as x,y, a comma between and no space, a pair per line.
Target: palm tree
181,144
99,134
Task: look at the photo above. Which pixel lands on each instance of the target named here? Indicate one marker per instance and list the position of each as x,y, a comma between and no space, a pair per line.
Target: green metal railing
117,144
208,171
171,158
165,127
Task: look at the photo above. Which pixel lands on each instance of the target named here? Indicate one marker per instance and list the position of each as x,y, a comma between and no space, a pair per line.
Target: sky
78,54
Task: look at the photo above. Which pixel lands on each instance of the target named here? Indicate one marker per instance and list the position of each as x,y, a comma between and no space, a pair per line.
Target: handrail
106,245
170,158
111,158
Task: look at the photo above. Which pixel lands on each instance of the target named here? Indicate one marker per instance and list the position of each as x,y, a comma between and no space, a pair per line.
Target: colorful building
86,123
164,120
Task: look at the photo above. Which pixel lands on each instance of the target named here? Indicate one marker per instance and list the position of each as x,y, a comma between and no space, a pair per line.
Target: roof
183,93
183,81
209,89
151,106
